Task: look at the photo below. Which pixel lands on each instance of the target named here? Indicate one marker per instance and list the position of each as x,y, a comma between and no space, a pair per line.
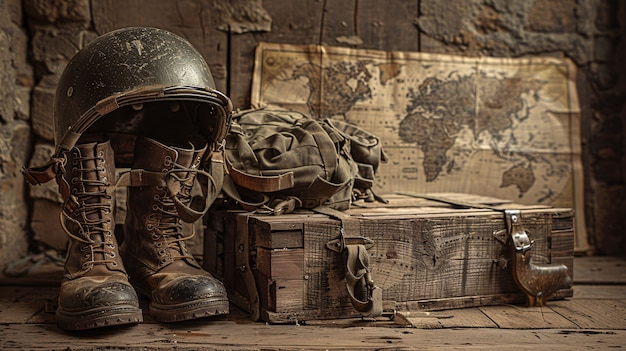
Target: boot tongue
190,157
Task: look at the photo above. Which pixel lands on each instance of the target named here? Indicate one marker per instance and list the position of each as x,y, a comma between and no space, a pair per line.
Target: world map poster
502,127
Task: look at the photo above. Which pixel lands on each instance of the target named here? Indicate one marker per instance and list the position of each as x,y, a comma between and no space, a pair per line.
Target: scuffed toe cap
190,288
87,296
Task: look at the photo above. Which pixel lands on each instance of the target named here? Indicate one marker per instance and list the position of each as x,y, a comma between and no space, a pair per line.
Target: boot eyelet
167,161
155,237
158,244
85,265
156,197
112,254
114,264
100,154
155,208
150,227
74,180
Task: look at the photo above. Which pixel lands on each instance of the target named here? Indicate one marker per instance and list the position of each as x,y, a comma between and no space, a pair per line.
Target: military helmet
114,81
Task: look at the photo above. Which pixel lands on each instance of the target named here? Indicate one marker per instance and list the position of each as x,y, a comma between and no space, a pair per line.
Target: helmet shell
130,67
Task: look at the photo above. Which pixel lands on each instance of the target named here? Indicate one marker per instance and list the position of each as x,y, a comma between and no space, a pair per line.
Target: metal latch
537,281
343,241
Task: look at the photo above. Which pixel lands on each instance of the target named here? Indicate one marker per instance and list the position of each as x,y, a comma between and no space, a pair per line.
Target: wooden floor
594,319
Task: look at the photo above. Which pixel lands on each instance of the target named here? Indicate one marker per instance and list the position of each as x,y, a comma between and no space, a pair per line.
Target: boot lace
167,228
89,211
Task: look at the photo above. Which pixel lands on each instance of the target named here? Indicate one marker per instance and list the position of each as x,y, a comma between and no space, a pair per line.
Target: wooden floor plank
456,318
593,319
225,335
599,270
520,317
606,292
25,306
468,318
593,314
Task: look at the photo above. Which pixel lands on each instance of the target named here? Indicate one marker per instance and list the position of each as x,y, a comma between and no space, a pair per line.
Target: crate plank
281,263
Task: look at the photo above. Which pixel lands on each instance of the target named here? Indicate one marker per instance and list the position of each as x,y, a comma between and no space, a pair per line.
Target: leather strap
370,299
210,184
54,169
364,295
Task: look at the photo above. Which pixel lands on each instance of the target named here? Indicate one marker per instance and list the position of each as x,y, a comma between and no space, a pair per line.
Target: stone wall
16,83
226,32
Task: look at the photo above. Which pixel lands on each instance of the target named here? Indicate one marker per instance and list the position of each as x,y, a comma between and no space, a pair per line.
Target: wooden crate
427,255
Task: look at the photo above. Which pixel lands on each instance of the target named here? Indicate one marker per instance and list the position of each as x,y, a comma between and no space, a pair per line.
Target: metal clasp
517,233
340,243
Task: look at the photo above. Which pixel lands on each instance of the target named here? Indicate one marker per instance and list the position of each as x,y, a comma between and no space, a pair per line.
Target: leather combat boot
158,261
95,291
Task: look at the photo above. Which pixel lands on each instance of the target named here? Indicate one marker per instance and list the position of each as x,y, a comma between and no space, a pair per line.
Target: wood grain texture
423,258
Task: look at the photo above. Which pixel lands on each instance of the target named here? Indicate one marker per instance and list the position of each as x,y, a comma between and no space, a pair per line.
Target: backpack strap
250,201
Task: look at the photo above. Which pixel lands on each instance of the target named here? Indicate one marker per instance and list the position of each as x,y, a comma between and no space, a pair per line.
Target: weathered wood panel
229,335
512,317
423,258
292,22
597,317
589,314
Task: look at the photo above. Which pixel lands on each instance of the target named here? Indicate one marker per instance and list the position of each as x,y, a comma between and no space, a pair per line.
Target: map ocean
501,127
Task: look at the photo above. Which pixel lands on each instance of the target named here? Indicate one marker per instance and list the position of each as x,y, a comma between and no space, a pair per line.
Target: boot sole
99,317
189,310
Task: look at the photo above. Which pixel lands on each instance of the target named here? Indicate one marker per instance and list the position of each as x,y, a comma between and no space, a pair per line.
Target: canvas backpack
278,160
